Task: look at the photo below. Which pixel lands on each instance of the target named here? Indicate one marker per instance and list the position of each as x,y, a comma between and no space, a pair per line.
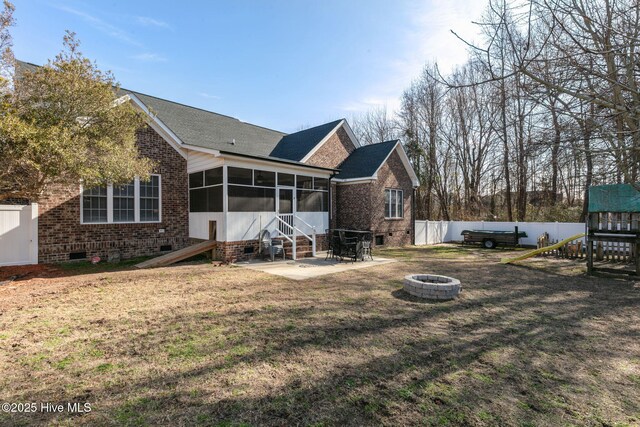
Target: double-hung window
94,204
137,201
124,203
150,199
393,204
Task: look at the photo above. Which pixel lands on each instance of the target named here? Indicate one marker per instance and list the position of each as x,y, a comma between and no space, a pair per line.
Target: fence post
426,232
589,256
34,233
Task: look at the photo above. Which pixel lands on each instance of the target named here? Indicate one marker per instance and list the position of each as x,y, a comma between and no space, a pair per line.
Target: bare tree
375,125
546,106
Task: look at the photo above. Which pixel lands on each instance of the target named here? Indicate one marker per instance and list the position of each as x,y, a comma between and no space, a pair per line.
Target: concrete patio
310,267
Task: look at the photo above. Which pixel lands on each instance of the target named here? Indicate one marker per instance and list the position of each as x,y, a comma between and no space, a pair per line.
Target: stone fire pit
432,286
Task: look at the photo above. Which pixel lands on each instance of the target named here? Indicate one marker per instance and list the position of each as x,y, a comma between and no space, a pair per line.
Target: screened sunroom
235,201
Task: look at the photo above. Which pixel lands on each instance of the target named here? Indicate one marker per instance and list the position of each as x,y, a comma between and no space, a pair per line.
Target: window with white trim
393,204
150,199
94,204
124,203
137,201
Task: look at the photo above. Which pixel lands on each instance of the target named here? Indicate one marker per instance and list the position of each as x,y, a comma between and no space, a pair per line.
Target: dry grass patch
202,345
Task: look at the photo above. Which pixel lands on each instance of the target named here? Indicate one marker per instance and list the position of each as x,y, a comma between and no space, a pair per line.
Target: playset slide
541,250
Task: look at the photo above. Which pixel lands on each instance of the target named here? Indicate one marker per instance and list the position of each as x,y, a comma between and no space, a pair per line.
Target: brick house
221,179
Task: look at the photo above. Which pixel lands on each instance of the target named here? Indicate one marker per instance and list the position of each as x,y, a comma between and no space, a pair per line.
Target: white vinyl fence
434,232
18,234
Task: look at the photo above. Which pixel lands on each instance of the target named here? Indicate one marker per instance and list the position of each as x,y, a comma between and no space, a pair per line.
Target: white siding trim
81,205
159,198
136,199
355,180
225,189
352,135
157,125
198,161
109,204
252,163
215,153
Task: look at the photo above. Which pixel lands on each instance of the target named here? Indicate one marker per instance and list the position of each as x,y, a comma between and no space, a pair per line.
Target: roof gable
296,146
365,161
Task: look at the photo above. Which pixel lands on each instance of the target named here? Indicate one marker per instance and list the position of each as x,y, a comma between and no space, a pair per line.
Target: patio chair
348,246
366,249
334,247
271,247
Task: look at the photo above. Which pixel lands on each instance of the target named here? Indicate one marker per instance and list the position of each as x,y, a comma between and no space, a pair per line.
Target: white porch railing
285,224
313,233
286,227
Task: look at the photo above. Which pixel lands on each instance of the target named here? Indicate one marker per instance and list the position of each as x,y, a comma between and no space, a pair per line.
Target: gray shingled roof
202,128
297,145
205,129
22,66
365,160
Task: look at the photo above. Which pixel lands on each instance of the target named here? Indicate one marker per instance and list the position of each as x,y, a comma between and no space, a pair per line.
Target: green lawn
207,345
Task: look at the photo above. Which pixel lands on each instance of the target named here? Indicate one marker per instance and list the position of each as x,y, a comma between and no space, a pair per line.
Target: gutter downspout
413,217
330,202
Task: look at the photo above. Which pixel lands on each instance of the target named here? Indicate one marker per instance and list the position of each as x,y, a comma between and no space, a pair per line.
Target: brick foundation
245,250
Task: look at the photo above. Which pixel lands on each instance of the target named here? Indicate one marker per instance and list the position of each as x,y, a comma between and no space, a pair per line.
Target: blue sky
279,64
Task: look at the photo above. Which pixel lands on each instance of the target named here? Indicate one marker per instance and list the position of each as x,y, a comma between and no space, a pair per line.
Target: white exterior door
18,234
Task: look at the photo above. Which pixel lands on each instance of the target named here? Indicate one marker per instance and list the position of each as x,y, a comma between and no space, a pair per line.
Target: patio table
348,243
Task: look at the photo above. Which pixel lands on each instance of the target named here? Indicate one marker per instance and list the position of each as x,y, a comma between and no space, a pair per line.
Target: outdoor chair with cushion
271,247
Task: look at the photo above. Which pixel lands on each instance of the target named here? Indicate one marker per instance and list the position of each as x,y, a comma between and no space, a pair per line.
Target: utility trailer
489,239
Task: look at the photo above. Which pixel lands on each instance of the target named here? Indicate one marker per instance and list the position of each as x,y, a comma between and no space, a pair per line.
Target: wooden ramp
178,255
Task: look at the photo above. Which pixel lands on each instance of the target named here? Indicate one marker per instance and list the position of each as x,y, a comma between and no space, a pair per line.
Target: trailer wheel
489,244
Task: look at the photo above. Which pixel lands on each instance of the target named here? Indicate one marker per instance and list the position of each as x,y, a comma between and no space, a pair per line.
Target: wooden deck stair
178,255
